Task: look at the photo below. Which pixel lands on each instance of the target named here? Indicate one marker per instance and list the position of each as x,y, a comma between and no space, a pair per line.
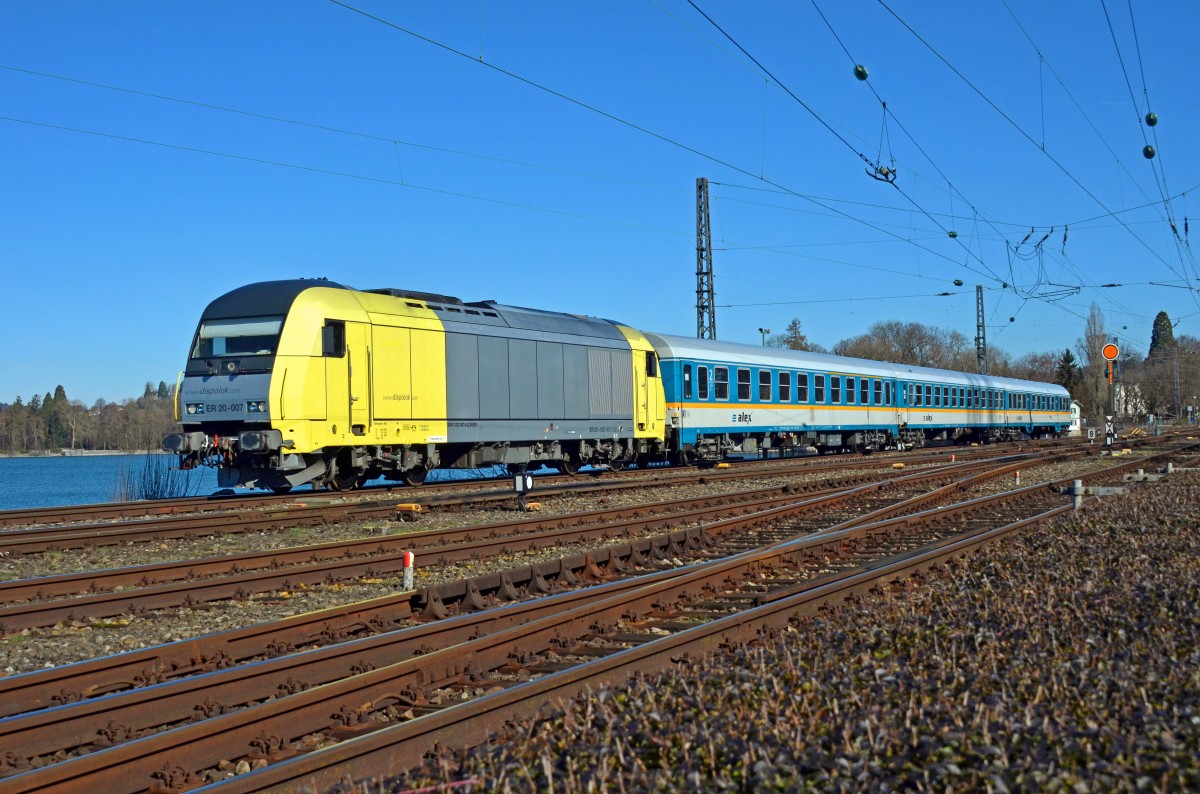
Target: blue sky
306,139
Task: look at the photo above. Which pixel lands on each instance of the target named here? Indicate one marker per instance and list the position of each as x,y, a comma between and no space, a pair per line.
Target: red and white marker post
410,560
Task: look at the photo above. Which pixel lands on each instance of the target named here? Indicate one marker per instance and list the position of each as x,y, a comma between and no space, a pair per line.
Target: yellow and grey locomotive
308,381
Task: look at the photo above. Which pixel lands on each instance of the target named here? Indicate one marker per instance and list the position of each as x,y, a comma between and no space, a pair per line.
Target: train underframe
256,459
716,447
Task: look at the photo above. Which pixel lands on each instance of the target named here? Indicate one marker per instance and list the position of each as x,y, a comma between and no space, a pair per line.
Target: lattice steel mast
706,310
981,364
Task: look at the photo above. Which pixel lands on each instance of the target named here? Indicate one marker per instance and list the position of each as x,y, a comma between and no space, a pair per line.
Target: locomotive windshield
243,336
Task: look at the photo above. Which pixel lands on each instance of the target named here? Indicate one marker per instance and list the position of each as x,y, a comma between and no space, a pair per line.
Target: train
308,381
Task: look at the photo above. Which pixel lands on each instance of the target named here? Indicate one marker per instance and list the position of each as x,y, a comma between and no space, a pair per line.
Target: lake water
81,480
53,481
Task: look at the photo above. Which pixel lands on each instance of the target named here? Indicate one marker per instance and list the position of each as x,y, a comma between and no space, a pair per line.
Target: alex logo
741,419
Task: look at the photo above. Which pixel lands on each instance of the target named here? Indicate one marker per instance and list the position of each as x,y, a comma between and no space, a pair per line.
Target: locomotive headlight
194,408
256,406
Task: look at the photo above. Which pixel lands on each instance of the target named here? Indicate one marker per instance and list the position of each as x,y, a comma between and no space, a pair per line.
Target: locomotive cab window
702,382
721,383
764,385
687,381
333,339
242,336
651,364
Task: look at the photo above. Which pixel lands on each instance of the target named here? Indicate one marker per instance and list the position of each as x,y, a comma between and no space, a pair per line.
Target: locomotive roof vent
428,297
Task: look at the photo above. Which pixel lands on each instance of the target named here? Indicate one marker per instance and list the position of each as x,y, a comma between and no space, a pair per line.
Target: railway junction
856,616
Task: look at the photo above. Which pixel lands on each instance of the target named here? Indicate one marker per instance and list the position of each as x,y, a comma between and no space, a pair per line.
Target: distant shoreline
77,453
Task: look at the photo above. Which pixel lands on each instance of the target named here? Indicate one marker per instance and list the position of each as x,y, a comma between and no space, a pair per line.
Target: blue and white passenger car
724,398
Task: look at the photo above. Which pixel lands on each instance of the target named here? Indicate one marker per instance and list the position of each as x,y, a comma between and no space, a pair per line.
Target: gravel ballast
34,649
1065,659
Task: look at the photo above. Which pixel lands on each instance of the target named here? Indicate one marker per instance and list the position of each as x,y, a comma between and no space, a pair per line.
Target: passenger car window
850,390
721,383
802,387
743,384
764,385
818,388
835,389
702,382
785,387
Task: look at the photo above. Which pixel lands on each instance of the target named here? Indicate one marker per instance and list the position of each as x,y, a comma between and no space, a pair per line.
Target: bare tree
1093,383
1033,366
910,343
794,338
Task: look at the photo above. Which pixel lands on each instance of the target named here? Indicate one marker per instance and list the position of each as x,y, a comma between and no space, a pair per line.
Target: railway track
318,508
489,652
158,508
102,594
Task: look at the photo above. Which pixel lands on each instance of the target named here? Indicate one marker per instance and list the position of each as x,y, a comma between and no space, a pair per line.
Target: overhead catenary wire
991,103
334,173
989,274
645,130
395,147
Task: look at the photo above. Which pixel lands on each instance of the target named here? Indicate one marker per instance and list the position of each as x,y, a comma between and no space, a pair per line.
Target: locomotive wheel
342,476
616,464
281,488
416,475
569,465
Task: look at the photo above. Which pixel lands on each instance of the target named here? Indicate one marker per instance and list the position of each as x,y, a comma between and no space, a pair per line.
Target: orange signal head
1110,351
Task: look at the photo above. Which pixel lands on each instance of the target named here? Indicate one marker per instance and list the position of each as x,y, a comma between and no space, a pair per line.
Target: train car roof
554,322
733,352
263,298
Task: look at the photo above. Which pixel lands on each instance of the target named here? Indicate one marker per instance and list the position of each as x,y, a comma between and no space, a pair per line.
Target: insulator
860,72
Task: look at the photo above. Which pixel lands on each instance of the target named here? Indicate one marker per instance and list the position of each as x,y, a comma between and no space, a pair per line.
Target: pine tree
1162,338
1066,371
